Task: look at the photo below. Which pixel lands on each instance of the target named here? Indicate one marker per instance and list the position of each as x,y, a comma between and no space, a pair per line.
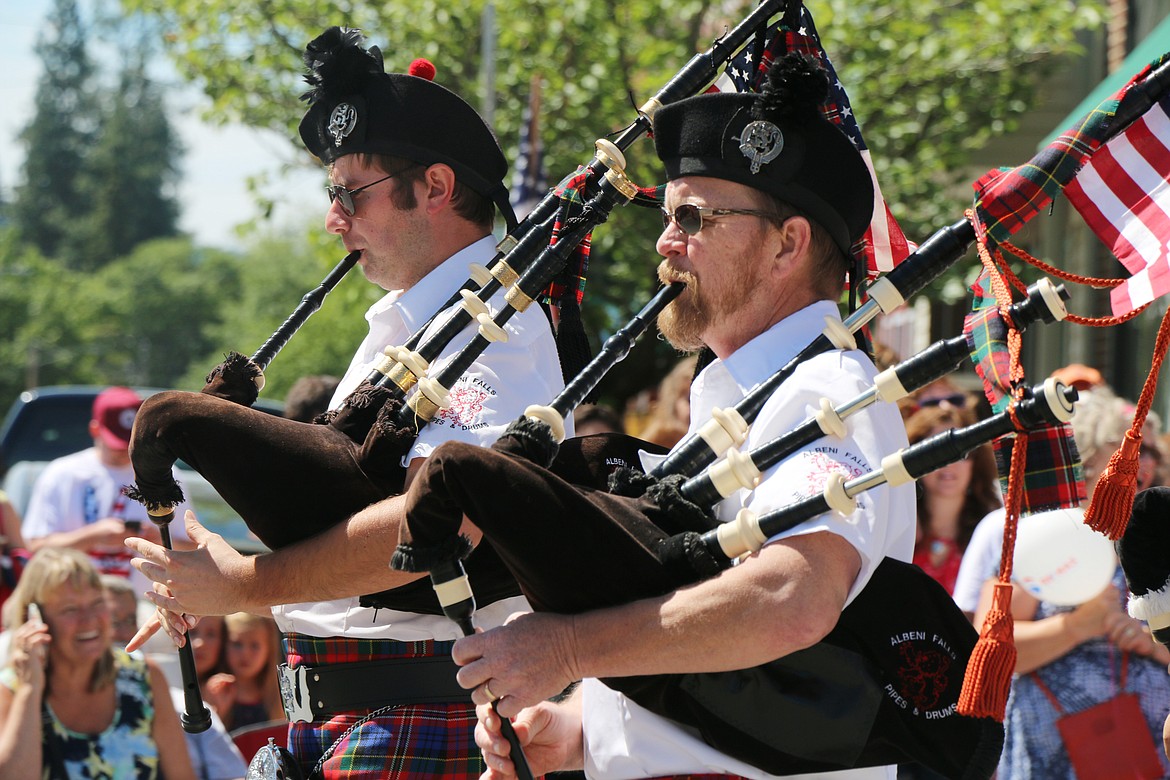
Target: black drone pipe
309,304
431,391
933,257
1051,402
1044,303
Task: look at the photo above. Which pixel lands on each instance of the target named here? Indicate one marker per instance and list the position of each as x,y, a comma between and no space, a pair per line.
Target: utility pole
487,33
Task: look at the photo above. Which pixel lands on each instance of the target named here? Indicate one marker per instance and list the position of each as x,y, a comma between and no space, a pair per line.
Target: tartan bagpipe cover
1006,199
1052,472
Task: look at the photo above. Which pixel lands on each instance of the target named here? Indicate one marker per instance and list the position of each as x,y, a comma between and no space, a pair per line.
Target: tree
150,315
129,176
930,80
37,299
62,130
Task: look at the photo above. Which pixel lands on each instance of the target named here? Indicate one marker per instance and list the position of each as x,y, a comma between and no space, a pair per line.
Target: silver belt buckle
294,693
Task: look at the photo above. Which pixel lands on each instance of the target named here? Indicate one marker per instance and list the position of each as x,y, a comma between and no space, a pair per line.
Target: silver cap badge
342,122
761,142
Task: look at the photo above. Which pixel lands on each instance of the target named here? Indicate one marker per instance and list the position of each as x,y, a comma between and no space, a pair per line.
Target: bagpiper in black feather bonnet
356,107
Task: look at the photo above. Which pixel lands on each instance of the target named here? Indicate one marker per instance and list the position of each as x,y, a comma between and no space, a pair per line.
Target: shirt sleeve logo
464,407
819,465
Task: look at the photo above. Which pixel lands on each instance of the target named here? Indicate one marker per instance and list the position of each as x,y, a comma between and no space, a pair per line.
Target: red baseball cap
114,410
1079,375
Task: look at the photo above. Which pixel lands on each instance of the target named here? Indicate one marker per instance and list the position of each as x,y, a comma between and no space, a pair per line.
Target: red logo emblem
818,467
465,405
923,675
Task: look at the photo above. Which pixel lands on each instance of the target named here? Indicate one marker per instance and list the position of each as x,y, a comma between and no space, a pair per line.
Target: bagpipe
881,688
327,471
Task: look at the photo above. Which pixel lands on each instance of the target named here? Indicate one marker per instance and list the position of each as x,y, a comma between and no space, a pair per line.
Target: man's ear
792,242
439,181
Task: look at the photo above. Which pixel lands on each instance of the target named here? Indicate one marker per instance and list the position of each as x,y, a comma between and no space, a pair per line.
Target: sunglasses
954,399
689,217
337,192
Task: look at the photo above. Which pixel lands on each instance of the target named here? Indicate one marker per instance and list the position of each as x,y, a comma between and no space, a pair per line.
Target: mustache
668,275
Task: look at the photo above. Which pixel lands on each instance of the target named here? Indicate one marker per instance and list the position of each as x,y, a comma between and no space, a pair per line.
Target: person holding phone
77,500
71,704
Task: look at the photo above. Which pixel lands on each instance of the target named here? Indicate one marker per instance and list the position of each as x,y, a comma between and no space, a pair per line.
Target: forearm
79,539
786,599
20,736
1040,642
350,559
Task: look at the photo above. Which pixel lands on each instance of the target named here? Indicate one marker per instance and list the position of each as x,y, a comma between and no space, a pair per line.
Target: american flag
529,181
884,244
1123,195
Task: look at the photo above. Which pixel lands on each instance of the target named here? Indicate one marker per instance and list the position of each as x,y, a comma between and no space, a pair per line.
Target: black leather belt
311,692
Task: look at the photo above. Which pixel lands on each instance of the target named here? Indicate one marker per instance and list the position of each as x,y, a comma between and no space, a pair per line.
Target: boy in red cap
77,500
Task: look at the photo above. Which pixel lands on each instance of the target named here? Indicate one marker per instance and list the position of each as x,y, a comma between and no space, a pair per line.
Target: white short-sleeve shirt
623,739
505,379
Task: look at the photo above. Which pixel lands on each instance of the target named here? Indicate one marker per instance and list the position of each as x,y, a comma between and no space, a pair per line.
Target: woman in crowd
671,413
1071,658
13,553
953,499
71,704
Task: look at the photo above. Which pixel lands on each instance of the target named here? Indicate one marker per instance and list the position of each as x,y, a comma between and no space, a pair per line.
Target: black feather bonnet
355,107
1144,551
777,141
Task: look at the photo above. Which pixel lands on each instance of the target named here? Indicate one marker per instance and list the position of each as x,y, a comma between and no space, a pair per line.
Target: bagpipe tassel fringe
989,672
1112,501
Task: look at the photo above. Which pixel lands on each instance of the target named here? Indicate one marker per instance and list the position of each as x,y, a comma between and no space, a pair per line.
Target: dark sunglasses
954,399
337,192
689,217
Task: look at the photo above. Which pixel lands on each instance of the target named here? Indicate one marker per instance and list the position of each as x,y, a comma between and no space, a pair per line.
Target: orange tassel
1112,501
993,660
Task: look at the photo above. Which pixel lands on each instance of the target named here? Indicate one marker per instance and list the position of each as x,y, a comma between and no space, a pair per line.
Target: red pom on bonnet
422,68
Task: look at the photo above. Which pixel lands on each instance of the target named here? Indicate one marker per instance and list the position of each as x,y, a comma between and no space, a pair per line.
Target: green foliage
101,163
274,276
930,79
140,320
147,314
933,81
130,177
60,133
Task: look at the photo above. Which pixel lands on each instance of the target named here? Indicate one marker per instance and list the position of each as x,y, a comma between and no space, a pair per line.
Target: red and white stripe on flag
886,244
1123,195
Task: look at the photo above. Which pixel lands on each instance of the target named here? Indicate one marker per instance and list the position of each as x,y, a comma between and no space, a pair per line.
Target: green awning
1152,46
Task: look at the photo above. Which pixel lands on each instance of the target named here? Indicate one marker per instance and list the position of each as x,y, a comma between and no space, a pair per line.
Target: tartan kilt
411,740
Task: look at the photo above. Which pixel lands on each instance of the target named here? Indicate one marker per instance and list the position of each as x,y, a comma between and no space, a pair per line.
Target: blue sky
215,165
